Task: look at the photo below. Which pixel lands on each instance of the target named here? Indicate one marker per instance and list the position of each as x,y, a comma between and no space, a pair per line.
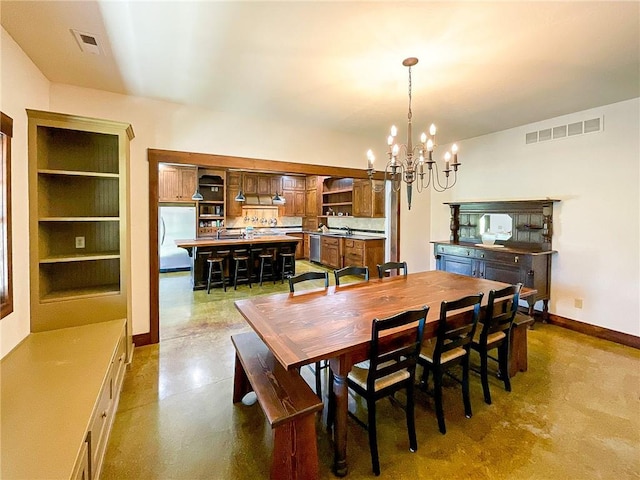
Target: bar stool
254,263
266,260
241,259
217,259
288,265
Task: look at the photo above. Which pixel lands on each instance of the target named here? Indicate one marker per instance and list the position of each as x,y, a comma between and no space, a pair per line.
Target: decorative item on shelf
240,197
412,168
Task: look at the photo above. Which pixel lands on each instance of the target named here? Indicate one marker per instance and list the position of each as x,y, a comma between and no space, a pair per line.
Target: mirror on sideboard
499,224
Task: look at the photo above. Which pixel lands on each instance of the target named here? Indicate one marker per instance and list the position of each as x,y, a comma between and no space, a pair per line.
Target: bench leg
518,350
241,385
295,450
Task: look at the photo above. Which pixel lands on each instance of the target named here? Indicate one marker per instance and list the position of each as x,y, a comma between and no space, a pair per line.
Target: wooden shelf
342,190
214,202
76,293
211,217
79,219
77,173
336,204
81,257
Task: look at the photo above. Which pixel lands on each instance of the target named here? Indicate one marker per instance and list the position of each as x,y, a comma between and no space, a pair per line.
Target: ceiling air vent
562,131
88,42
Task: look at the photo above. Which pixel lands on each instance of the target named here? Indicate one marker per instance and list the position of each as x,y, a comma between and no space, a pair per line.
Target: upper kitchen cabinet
294,193
78,220
176,183
234,209
367,202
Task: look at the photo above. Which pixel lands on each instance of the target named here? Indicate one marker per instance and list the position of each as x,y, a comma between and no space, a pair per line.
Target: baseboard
595,331
142,339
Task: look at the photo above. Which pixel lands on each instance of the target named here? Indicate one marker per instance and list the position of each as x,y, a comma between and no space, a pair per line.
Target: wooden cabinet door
233,208
307,246
176,184
311,202
188,180
299,198
276,184
330,252
264,185
289,206
449,263
361,198
250,184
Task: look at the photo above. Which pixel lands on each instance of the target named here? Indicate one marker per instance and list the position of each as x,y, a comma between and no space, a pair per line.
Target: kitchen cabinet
79,220
250,184
295,197
176,183
234,209
363,253
330,252
367,202
307,246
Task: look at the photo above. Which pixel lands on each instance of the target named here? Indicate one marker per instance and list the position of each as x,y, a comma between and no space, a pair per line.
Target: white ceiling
484,66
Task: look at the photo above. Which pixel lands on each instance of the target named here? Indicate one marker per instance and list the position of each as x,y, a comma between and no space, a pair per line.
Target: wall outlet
79,242
577,302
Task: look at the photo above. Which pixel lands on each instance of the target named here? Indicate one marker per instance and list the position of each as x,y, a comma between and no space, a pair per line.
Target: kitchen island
200,249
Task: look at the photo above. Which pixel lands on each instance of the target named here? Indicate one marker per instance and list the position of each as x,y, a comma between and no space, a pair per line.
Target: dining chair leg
373,436
484,376
437,396
503,361
465,387
411,420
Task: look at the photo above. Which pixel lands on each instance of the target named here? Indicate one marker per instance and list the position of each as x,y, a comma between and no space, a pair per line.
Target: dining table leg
340,371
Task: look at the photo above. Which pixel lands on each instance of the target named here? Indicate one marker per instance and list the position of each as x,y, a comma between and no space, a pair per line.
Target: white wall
164,125
596,224
22,86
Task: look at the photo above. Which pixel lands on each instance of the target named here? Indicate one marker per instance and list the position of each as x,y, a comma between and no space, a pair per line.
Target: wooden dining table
334,324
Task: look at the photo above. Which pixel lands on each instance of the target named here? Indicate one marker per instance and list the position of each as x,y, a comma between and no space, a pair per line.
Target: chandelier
418,161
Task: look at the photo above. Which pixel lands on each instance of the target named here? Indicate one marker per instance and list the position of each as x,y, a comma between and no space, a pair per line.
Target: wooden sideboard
521,253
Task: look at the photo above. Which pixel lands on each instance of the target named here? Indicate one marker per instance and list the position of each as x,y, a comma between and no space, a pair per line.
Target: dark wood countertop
528,251
224,242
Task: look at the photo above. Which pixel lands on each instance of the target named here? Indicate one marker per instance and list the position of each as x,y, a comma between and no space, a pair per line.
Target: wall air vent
592,125
88,42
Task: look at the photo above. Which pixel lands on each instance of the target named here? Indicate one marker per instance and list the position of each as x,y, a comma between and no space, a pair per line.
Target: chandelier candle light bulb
410,169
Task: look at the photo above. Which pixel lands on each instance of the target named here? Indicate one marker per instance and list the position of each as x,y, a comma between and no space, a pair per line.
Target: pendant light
240,197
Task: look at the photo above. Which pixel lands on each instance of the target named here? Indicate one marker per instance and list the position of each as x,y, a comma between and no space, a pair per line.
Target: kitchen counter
355,236
200,249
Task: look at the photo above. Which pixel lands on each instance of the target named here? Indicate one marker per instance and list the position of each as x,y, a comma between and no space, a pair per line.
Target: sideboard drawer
455,250
503,257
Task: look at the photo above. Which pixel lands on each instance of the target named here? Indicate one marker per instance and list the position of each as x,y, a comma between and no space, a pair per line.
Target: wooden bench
518,348
288,403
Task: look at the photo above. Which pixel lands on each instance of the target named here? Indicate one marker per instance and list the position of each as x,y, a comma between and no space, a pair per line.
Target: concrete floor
574,415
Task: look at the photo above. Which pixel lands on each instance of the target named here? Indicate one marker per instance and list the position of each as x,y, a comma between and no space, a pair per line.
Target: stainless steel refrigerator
176,223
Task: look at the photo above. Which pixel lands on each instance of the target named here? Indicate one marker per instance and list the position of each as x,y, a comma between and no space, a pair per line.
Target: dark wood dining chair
304,277
354,271
455,330
388,266
390,368
494,333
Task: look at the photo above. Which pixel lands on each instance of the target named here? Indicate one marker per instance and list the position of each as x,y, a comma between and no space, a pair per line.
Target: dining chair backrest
394,357
387,267
356,271
303,277
501,310
456,333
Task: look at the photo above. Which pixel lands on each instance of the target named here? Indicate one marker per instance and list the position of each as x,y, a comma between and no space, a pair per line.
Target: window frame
6,293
